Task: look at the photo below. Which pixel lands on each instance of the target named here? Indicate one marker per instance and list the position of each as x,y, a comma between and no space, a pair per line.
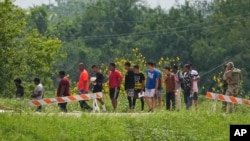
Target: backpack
236,76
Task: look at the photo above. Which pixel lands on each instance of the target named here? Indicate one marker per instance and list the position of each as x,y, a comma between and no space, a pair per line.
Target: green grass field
203,125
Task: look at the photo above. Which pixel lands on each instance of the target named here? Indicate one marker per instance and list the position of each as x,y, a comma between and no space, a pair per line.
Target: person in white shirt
196,77
38,93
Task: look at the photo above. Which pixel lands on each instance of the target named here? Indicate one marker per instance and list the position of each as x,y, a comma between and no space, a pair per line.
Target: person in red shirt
115,80
63,90
83,86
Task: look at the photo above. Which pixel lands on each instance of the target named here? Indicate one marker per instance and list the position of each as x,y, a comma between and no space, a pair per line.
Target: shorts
114,93
97,89
195,96
158,94
137,93
130,92
149,92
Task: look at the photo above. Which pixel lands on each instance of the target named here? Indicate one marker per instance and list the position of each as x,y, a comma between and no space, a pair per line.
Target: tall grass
191,125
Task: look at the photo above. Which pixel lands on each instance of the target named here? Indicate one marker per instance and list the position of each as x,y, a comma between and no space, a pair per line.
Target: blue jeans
187,99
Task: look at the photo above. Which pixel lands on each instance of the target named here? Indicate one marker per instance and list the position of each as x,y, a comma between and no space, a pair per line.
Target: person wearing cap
232,76
38,93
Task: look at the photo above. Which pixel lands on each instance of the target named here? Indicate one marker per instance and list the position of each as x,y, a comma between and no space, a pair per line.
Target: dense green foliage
24,52
207,34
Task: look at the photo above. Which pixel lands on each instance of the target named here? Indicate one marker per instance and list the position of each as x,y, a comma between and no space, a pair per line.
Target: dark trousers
83,104
187,99
170,98
130,102
142,102
63,106
39,109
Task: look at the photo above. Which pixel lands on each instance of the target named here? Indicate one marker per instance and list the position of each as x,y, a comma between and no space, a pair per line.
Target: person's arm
19,92
119,78
39,93
100,80
22,92
197,78
84,79
84,84
62,89
173,80
157,82
142,83
192,81
225,76
156,85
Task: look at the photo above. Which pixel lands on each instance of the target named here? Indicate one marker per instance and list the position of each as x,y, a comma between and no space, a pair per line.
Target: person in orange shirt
83,86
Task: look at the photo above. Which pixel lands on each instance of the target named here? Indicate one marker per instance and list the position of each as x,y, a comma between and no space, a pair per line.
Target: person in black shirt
19,88
188,86
139,85
98,84
129,84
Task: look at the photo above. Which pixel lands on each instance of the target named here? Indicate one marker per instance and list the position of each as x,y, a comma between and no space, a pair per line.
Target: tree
24,53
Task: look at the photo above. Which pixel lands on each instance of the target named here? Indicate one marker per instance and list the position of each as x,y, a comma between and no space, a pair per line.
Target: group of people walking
148,89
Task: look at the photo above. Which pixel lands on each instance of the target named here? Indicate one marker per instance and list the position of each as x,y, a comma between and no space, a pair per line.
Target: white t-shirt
39,88
195,75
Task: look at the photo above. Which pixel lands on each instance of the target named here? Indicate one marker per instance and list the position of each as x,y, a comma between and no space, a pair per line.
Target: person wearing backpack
233,78
179,86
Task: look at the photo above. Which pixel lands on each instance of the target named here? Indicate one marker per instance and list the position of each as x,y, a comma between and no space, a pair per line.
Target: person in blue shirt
152,84
158,95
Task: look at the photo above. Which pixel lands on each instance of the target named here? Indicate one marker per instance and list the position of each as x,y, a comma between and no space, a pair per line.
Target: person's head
112,66
230,65
127,65
191,66
225,67
154,65
37,80
150,65
62,74
18,81
81,66
175,68
136,69
187,68
167,70
95,68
